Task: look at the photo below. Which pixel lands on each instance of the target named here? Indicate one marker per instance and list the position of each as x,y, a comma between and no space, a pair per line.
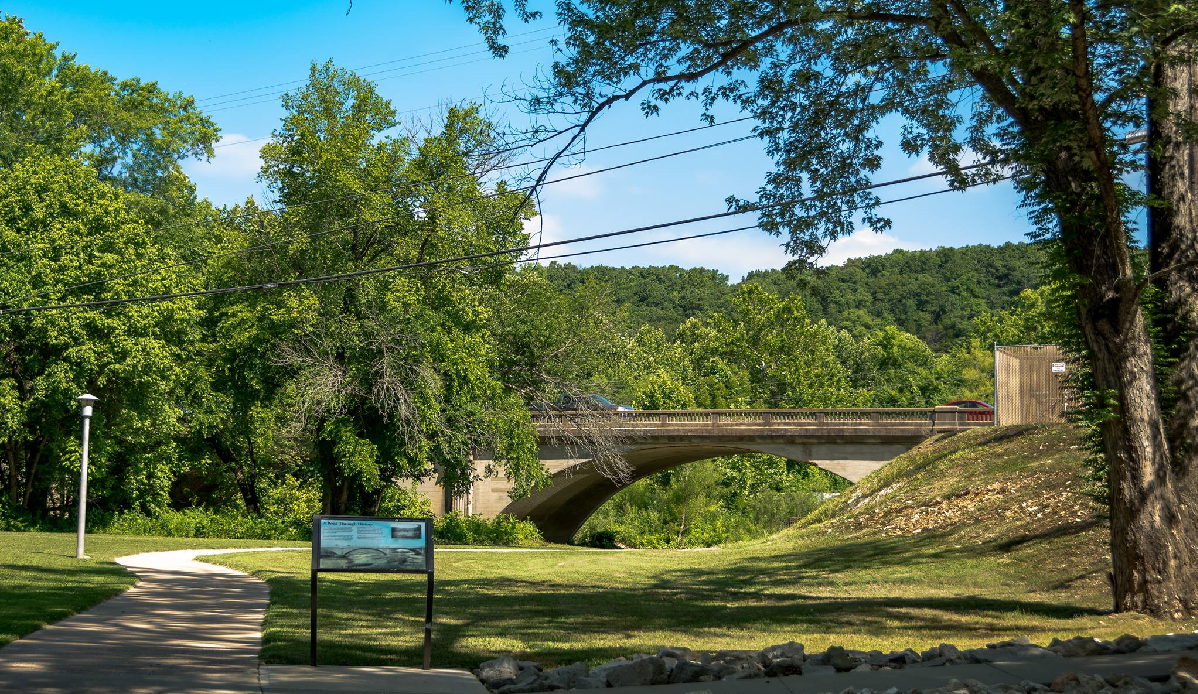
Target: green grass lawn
967,540
42,582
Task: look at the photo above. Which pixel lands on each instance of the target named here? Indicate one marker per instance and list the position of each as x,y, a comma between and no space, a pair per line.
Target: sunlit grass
995,572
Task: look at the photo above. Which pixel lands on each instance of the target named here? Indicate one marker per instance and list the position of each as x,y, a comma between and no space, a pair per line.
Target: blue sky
216,49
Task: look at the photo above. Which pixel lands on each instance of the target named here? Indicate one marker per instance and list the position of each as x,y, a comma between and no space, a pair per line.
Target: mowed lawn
967,540
42,582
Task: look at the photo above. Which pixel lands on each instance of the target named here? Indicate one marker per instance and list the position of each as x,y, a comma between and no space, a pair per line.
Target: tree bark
1173,249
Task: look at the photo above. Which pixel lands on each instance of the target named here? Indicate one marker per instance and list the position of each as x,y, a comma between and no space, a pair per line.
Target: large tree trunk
1173,248
1150,550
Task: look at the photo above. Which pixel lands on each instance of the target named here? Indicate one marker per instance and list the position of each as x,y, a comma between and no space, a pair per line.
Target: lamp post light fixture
85,401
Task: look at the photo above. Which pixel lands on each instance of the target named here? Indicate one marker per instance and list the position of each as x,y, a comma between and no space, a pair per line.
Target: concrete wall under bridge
850,443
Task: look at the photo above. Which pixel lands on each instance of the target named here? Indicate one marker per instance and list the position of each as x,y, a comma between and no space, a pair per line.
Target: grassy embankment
967,539
42,582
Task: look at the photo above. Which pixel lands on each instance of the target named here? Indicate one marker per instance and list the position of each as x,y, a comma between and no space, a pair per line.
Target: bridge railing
937,418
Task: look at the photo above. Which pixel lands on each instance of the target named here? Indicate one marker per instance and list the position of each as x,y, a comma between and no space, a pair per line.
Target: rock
950,652
676,653
899,659
1185,673
1090,684
738,656
499,683
863,667
1170,642
1019,641
749,671
782,667
502,667
567,676
590,682
1127,644
930,654
1006,653
1078,647
839,659
686,672
720,669
528,664
529,680
638,673
789,651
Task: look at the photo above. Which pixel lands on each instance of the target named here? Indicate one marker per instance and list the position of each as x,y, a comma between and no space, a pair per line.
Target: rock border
506,675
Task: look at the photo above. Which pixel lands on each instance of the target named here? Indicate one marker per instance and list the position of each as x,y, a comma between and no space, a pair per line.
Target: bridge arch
578,489
849,442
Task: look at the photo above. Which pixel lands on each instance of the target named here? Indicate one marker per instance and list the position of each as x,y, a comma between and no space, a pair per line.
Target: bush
458,529
196,522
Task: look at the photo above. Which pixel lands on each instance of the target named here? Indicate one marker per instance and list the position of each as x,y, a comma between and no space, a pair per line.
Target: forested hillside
933,294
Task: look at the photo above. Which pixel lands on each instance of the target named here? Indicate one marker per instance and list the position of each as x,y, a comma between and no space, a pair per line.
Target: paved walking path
190,627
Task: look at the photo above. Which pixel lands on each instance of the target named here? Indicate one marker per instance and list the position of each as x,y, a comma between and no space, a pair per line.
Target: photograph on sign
347,544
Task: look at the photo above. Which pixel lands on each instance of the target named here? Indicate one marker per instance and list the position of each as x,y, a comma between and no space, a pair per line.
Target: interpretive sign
376,545
372,544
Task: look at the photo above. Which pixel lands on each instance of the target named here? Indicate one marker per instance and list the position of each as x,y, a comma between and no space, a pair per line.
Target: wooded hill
933,294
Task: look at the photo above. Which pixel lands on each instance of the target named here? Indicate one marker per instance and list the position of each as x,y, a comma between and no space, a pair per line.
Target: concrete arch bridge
849,442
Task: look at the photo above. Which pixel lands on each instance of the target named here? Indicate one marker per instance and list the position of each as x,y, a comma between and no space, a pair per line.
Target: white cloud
861,243
735,254
546,228
923,165
236,157
230,176
586,188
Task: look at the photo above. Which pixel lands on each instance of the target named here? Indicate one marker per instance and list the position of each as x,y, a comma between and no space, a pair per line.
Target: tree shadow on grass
591,620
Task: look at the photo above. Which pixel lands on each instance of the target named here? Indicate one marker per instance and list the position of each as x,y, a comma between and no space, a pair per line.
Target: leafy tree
1051,86
60,225
132,133
394,375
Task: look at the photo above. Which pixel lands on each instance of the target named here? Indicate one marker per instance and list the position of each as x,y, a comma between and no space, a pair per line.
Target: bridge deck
930,419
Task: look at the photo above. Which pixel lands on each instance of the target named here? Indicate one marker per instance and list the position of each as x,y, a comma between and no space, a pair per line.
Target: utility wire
215,97
262,211
475,256
201,259
268,98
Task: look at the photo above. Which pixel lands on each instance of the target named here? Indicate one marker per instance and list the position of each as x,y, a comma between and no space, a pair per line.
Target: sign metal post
366,544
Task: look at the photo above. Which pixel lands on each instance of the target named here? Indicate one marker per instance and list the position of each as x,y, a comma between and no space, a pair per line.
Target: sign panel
1058,367
369,544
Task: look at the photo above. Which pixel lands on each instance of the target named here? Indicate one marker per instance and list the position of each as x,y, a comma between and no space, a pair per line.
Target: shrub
196,522
458,529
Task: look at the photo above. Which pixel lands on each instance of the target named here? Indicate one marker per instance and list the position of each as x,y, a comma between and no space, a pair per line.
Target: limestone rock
838,658
1078,647
638,673
789,651
676,653
1007,653
686,672
503,667
783,667
950,652
1185,673
1170,642
749,670
1127,644
567,676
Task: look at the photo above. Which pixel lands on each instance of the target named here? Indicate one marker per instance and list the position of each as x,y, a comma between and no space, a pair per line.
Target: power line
475,256
299,205
215,97
268,98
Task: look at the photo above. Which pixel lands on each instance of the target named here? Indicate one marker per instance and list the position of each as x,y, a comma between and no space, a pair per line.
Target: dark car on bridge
970,405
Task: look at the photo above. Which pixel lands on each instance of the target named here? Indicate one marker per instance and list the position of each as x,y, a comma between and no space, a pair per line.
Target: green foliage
710,503
198,522
455,528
